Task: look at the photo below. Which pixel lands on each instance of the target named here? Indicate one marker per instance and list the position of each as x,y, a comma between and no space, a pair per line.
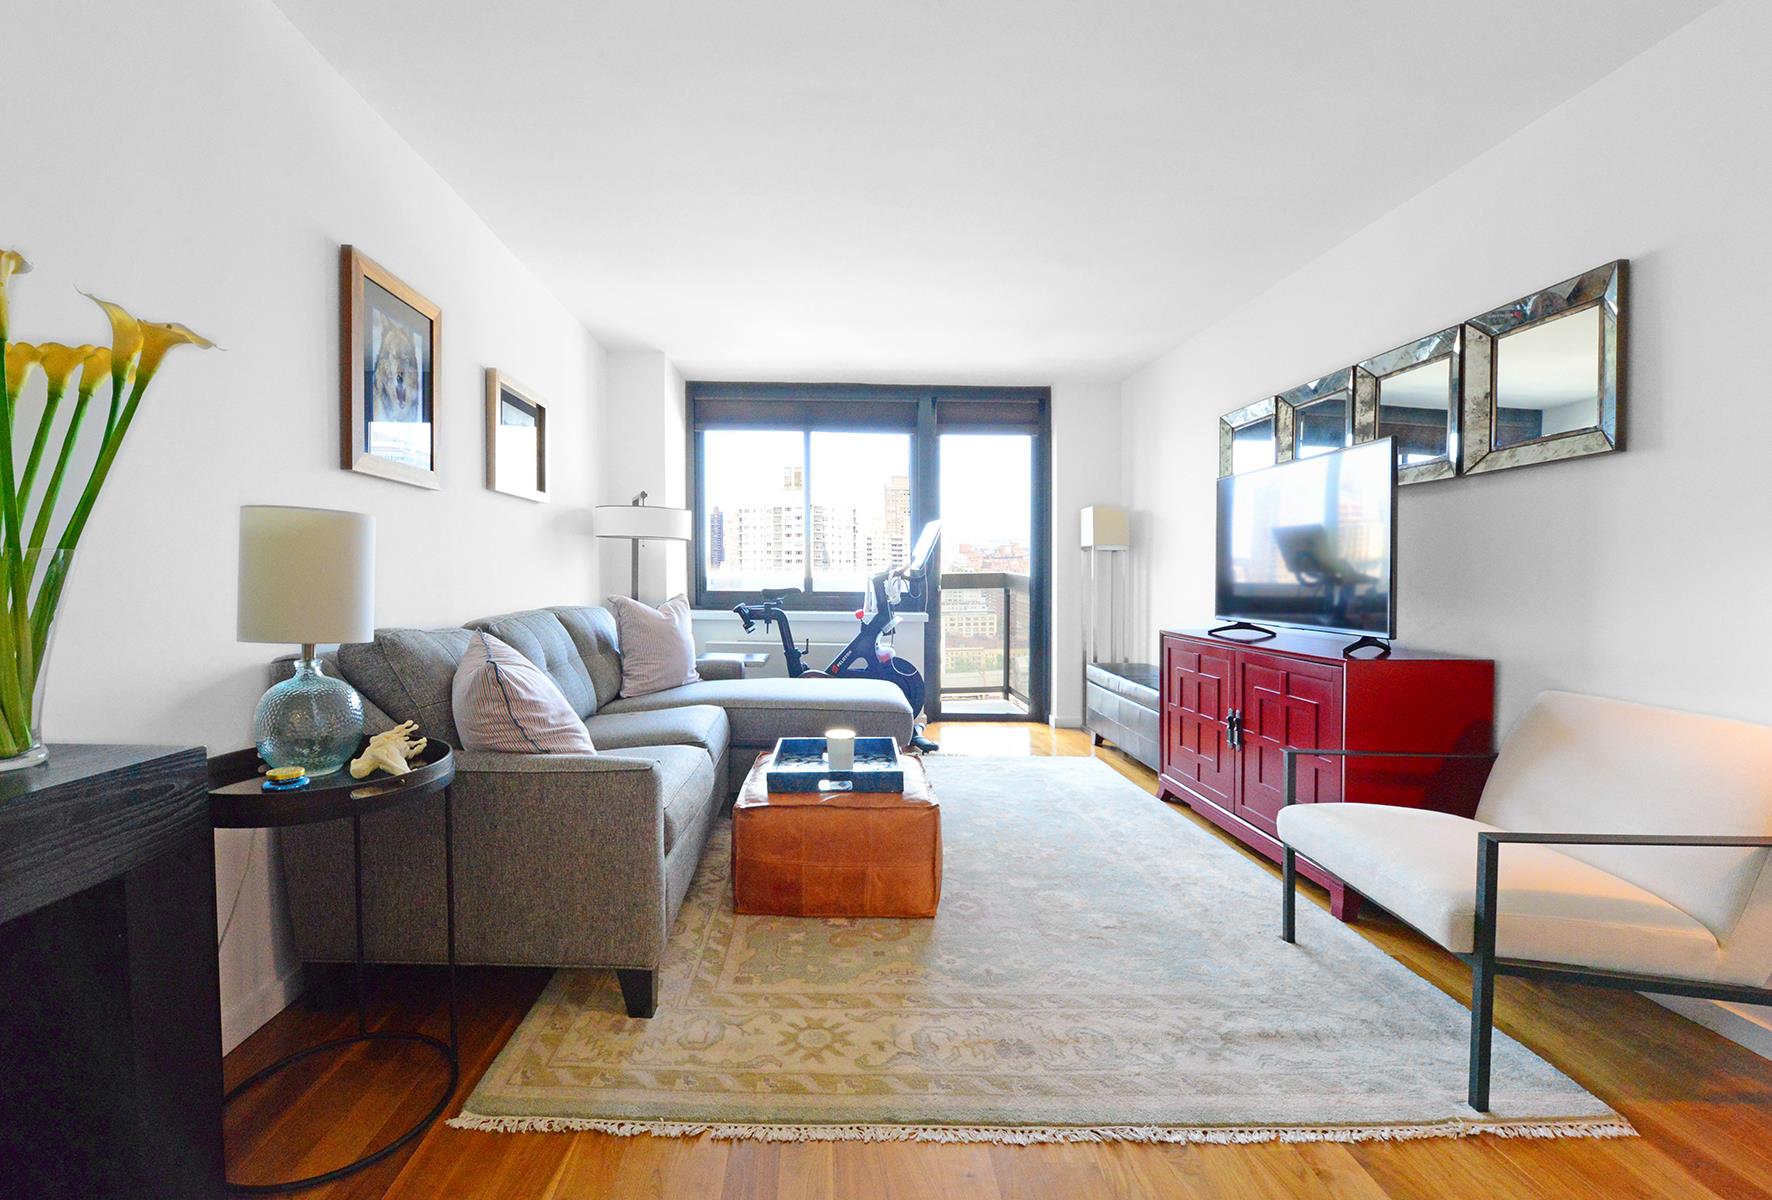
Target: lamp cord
239,889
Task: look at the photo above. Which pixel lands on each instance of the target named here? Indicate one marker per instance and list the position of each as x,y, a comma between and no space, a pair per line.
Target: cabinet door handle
1233,728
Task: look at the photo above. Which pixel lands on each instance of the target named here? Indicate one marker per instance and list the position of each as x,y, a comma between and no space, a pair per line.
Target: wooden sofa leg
1288,894
639,991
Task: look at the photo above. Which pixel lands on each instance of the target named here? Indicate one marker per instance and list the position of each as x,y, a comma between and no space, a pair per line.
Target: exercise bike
865,657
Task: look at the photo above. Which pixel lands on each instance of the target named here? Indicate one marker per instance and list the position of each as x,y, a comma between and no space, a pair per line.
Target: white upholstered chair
1640,862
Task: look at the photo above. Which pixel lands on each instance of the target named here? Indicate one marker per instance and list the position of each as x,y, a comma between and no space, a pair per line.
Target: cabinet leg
639,991
1344,904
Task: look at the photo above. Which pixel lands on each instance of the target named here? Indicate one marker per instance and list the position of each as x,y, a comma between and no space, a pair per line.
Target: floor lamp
1105,530
637,522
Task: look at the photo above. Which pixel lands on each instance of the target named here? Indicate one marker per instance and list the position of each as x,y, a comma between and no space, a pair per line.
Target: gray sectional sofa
560,860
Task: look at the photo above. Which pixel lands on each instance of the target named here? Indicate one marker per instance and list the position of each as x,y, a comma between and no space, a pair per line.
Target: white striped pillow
504,702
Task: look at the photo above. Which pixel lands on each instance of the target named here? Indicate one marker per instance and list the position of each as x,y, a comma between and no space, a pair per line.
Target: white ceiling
949,190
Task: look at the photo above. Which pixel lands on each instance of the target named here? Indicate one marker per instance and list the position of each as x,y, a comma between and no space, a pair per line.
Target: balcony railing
985,650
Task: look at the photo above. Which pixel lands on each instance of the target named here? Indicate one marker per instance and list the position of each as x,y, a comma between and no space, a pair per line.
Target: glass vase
32,584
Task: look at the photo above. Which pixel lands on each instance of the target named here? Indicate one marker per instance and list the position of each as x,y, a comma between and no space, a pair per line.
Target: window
819,510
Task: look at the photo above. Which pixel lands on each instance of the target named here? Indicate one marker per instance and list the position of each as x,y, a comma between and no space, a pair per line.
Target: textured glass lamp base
310,720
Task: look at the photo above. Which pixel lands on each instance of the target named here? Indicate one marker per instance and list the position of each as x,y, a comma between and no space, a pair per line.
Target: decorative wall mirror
1316,417
1249,438
1412,394
1542,374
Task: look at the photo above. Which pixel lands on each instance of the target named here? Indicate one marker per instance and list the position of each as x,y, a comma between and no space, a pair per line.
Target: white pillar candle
840,749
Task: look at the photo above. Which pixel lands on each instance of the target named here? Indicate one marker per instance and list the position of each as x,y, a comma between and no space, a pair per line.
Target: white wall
204,165
1639,575
643,447
1085,471
1585,574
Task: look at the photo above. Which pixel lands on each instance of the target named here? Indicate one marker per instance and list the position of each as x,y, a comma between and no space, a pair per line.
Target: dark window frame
925,412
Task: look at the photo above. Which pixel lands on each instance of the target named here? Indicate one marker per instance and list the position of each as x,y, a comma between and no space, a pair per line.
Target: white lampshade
642,521
1106,528
307,575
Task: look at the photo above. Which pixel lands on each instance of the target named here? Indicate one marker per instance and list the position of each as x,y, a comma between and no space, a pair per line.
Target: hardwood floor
1702,1104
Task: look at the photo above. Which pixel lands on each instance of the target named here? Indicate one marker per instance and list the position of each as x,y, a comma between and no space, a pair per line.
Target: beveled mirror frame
1242,418
1303,396
1602,287
1371,374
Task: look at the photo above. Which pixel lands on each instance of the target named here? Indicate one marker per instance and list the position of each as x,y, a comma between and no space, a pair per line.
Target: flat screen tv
1312,544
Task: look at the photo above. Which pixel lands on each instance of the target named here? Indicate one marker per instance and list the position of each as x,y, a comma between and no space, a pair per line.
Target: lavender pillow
657,645
504,702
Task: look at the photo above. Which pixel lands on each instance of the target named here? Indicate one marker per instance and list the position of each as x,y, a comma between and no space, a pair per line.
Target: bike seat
779,593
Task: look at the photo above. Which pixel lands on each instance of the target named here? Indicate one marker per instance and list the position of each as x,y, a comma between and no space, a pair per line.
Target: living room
1235,458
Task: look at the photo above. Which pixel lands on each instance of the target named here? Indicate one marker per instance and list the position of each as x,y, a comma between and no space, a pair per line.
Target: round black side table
246,805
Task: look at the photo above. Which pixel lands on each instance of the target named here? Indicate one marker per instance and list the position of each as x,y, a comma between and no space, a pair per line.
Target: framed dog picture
388,404
516,438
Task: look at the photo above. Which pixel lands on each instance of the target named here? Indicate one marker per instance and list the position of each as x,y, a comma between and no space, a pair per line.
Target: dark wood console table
1233,706
110,1010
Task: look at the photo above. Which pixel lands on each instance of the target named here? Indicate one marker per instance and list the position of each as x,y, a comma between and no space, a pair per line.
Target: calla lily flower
59,362
126,336
158,338
11,263
95,368
20,358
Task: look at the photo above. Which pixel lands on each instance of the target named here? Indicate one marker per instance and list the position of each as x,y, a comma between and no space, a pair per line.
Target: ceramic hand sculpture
389,751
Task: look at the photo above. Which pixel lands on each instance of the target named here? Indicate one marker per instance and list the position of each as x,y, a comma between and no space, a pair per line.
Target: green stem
101,469
37,446
52,493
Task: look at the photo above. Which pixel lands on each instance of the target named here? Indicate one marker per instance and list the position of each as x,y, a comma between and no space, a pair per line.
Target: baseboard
241,1019
1064,722
1745,1024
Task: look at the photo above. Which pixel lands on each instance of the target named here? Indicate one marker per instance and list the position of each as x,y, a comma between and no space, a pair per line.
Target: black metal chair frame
1484,963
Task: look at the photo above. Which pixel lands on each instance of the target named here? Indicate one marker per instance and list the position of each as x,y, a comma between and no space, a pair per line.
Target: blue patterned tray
799,766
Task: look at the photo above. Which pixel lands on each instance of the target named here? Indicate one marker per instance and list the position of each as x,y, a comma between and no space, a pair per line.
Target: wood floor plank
1702,1104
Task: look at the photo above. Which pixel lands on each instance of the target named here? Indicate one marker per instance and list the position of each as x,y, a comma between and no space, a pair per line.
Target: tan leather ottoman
837,854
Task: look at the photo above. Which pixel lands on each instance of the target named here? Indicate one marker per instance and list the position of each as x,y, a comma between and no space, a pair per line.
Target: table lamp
637,521
307,576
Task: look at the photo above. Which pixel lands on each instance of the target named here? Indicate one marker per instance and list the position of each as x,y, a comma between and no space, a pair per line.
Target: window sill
805,616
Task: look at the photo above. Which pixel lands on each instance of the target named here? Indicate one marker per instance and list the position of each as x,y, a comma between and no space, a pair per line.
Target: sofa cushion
592,631
657,645
538,636
503,701
701,725
1583,764
410,675
1422,866
686,778
763,710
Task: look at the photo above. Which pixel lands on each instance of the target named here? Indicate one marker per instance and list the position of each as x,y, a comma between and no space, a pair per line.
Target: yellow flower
11,263
20,358
126,335
95,368
59,362
158,338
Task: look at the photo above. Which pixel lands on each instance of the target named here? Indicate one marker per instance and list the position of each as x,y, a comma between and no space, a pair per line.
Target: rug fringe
1037,1135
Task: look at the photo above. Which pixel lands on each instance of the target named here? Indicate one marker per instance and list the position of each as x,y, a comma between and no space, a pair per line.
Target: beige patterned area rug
1101,970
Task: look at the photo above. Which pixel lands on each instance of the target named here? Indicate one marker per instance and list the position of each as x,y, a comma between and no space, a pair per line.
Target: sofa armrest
1293,753
719,668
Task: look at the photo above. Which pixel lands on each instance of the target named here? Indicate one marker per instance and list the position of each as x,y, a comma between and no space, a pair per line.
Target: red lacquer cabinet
1232,707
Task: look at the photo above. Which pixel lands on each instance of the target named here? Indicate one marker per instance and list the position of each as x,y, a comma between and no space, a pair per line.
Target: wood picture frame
390,343
516,459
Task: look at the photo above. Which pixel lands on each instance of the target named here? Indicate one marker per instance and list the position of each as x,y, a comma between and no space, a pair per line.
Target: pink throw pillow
657,645
504,702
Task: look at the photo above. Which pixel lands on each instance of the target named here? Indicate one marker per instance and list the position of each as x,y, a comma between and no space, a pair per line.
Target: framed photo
516,438
388,402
